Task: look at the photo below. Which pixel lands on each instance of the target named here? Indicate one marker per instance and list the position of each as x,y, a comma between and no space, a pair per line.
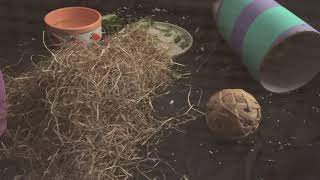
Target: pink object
3,106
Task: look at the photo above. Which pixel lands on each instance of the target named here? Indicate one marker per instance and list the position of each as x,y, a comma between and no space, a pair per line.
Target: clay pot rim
82,29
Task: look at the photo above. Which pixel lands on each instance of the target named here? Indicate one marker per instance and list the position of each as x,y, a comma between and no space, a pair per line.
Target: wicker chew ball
233,114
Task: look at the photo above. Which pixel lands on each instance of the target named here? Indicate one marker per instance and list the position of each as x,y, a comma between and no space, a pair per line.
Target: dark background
287,146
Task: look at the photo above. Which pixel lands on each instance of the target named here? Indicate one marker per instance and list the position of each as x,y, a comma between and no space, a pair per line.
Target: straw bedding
83,112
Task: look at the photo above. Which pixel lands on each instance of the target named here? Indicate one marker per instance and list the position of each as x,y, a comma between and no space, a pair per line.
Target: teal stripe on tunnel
260,37
228,14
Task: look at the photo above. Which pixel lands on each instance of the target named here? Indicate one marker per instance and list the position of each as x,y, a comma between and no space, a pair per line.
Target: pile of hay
82,113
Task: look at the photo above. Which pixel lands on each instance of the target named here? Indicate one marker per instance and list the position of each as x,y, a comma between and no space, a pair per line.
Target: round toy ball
233,114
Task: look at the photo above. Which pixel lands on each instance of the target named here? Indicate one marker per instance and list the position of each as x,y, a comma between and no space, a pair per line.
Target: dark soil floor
286,147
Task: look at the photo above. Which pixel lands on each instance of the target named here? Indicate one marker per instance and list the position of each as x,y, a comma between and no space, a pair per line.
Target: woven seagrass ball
233,114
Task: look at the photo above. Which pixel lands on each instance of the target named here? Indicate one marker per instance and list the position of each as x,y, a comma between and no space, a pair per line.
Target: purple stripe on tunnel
292,31
246,18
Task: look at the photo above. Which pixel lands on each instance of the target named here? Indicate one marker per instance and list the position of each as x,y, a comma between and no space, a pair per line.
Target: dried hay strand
82,113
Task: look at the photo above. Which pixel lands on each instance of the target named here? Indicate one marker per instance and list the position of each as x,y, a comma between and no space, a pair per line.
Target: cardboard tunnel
279,49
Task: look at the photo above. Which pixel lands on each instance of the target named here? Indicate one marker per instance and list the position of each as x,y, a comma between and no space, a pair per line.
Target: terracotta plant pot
74,23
